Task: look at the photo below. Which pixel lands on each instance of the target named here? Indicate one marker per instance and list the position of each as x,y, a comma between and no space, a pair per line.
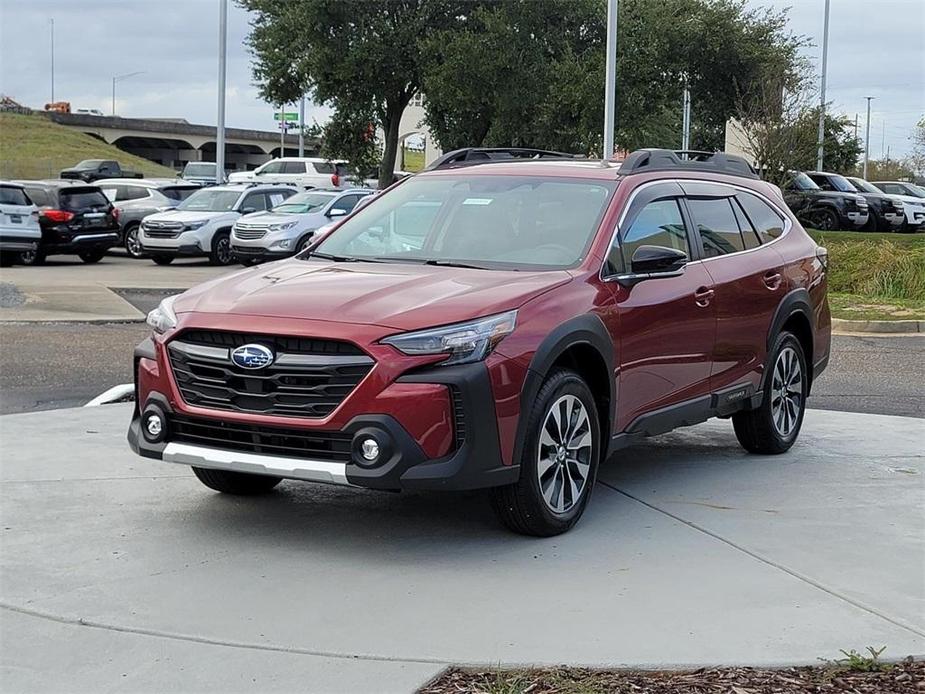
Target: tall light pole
686,118
119,78
51,22
610,77
867,139
220,127
302,126
825,60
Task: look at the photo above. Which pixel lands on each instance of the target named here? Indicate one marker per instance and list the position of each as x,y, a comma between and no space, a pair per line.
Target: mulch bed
905,677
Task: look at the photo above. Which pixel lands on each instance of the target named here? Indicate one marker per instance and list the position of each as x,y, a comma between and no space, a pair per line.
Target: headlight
163,318
463,343
192,226
281,227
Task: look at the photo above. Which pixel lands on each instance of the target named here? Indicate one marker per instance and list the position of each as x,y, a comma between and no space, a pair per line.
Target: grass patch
854,307
34,147
875,266
414,161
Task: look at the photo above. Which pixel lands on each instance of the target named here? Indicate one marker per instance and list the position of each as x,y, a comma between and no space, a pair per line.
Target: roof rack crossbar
469,156
643,160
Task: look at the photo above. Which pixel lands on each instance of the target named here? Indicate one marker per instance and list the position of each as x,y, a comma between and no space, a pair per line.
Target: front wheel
90,257
239,483
559,462
162,259
774,426
827,220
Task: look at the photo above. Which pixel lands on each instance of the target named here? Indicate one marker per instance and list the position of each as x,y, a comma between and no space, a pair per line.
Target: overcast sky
876,48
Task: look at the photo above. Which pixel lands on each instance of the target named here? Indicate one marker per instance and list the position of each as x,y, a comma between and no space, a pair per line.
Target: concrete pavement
692,552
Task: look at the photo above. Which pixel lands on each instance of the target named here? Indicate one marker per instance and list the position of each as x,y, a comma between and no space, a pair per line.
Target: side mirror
657,260
337,212
247,210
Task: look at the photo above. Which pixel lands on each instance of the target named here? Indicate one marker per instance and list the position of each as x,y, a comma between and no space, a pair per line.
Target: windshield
493,221
199,170
916,191
803,182
304,203
89,164
864,186
842,184
210,200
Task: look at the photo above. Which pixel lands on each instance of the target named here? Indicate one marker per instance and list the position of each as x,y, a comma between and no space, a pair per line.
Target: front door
666,326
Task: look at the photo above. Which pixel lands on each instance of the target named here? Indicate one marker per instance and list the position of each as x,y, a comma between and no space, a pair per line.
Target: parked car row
830,201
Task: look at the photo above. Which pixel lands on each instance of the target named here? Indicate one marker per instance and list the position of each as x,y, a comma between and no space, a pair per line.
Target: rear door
91,208
747,277
666,326
293,172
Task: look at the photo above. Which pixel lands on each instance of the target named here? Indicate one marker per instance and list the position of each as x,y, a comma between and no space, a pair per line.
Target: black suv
823,209
886,214
74,217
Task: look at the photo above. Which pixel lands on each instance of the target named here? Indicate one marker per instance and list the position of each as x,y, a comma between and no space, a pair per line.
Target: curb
905,327
115,394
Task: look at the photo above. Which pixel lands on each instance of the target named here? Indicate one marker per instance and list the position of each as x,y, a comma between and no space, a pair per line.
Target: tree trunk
390,125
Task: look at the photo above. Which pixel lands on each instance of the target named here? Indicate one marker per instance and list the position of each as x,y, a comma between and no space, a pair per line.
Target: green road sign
289,117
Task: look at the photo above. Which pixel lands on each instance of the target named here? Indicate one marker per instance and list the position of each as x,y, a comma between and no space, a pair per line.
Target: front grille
308,378
459,415
278,441
249,234
158,234
162,230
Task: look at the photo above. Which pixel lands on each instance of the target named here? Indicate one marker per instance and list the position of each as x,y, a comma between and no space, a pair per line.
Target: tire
132,244
36,257
7,258
304,242
827,220
247,262
874,222
773,427
221,249
541,503
162,259
90,257
238,483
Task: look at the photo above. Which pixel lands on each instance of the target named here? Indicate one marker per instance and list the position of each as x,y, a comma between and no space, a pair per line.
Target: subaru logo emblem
252,356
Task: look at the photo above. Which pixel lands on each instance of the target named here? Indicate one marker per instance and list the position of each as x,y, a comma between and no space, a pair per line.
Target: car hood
187,215
269,217
392,295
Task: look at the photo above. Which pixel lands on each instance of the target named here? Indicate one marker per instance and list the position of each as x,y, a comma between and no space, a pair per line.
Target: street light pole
610,84
686,118
825,58
119,78
51,21
867,139
302,126
220,126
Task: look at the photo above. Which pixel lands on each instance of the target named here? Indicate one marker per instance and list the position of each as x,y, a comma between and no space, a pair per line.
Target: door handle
772,280
703,296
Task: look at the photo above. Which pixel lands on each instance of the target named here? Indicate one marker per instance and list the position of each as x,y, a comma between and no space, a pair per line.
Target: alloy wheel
564,456
132,244
223,251
786,392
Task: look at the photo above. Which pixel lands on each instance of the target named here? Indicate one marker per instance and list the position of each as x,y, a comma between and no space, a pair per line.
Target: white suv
307,172
19,222
201,224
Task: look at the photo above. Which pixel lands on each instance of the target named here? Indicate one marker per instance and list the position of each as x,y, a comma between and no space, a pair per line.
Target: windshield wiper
342,258
453,263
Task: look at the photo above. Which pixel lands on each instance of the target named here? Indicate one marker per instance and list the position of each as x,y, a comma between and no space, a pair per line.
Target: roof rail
468,156
643,160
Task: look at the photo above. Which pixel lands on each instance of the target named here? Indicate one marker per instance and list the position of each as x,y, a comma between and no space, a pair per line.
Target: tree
916,160
361,58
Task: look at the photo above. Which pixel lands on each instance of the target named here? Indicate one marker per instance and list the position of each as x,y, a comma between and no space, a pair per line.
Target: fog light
369,449
154,426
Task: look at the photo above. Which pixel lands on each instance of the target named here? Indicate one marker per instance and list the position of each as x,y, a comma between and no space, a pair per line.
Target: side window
658,224
749,236
293,167
274,167
822,182
764,219
717,226
347,203
255,201
38,196
323,167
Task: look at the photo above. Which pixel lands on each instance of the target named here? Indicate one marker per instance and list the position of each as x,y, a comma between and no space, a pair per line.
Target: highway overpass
174,142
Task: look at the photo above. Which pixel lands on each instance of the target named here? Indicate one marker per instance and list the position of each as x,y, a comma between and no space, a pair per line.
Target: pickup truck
90,170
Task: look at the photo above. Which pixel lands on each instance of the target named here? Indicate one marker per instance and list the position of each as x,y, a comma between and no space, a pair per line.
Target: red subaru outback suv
507,325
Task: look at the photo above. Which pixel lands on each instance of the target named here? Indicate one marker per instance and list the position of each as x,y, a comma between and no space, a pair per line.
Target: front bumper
473,462
257,252
858,219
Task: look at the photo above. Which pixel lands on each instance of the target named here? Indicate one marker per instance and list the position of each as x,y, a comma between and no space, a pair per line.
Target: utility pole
282,130
825,58
119,78
302,126
883,139
610,83
686,118
220,126
855,126
867,140
51,21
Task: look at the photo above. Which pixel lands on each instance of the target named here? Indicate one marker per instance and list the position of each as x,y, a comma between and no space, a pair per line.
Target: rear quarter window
767,222
323,167
39,196
11,195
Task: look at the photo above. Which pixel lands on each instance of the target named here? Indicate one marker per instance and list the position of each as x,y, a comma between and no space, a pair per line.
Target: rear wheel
162,259
221,249
559,462
132,244
36,257
775,425
7,258
240,483
91,257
